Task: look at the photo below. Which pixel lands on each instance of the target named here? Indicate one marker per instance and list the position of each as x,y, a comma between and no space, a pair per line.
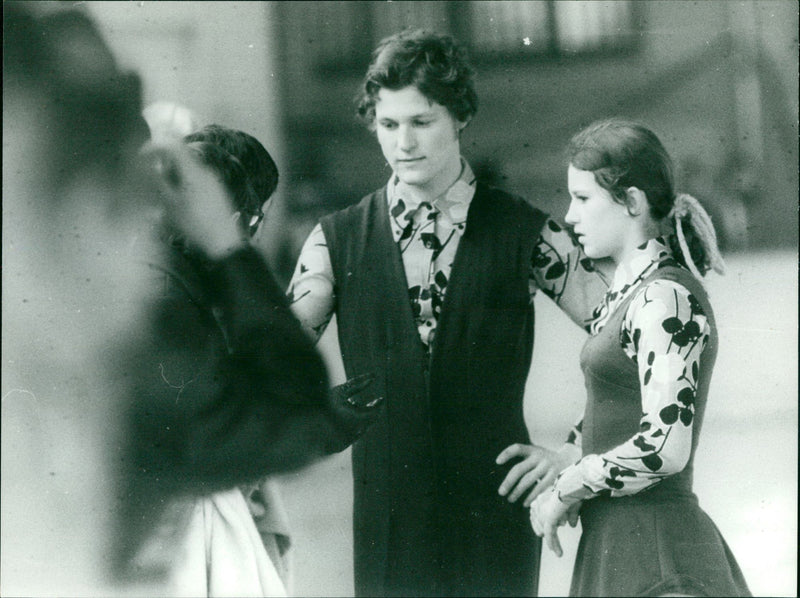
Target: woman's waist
674,490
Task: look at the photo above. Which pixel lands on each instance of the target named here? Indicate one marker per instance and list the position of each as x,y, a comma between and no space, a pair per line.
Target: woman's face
604,226
419,139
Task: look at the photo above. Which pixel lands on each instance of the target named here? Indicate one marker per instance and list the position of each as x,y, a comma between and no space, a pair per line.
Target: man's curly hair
433,63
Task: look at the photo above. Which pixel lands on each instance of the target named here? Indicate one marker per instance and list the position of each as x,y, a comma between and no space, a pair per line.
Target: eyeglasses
255,222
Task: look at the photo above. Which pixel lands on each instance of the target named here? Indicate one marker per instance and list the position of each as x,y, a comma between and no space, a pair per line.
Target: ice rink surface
745,468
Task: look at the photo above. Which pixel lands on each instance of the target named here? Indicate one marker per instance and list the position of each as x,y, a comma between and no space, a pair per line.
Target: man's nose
407,138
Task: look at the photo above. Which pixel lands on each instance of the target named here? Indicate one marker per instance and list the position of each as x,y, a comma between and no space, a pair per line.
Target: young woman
647,367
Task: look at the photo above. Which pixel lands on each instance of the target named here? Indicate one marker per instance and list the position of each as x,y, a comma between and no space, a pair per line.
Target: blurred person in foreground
432,279
73,210
647,367
112,408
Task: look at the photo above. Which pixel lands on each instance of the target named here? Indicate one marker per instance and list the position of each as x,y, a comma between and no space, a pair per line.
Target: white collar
638,264
453,204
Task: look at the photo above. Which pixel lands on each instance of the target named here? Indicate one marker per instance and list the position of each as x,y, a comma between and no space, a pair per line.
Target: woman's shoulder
672,283
665,305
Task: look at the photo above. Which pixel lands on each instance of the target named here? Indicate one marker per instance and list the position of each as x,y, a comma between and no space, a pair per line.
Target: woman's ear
636,201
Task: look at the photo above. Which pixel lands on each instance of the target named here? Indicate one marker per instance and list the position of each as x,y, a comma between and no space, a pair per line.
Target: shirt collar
452,205
639,264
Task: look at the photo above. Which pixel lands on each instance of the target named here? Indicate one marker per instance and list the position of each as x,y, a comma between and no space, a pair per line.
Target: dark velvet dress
659,540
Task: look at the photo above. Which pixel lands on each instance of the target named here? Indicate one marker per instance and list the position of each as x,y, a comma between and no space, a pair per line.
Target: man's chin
412,179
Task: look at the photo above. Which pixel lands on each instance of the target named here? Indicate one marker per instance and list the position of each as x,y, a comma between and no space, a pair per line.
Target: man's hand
352,410
548,513
535,472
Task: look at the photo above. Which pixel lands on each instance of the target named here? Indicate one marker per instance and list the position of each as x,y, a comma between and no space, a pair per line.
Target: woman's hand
535,472
548,513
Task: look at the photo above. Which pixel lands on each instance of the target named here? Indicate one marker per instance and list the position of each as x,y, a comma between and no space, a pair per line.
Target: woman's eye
422,123
388,125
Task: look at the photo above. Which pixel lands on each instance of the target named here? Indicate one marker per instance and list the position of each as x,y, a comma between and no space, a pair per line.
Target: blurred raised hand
197,205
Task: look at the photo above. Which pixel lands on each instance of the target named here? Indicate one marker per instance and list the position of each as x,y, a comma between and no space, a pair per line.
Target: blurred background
717,80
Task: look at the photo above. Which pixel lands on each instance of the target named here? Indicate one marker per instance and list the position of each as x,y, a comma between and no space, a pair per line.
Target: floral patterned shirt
664,332
428,233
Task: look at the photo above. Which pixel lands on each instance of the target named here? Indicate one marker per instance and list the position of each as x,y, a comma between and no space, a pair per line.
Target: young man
431,279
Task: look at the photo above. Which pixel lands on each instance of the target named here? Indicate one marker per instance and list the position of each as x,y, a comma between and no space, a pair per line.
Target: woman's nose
571,217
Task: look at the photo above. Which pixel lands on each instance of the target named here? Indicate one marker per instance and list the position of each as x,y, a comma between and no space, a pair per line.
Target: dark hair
233,175
257,162
433,63
96,107
624,154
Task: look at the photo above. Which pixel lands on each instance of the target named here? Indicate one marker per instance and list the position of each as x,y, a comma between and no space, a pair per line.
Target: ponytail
700,252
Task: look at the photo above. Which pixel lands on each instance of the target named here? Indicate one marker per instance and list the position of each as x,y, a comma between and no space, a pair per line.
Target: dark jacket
225,386
427,516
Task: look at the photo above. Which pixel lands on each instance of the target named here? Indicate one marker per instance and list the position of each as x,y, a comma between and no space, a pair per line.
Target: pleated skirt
636,546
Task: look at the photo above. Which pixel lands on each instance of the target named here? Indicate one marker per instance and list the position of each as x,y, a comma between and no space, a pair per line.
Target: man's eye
422,123
388,125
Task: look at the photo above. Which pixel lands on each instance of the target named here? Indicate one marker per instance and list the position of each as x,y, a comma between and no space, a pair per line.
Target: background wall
218,59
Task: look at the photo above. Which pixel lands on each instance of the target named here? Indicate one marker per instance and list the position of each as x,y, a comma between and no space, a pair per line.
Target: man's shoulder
514,206
356,210
511,200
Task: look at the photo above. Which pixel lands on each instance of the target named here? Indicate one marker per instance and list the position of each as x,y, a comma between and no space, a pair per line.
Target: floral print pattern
664,333
428,234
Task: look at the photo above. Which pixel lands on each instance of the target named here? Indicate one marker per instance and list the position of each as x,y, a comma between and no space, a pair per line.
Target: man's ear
636,201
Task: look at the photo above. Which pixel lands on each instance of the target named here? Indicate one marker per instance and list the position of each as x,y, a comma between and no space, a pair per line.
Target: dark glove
352,411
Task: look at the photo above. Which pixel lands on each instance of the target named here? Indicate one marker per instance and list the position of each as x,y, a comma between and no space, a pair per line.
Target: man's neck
437,187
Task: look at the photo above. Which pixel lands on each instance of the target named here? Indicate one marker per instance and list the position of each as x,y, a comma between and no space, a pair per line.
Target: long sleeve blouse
427,234
664,332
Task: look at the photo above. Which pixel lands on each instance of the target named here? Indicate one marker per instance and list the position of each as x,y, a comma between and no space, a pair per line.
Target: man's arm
563,272
312,289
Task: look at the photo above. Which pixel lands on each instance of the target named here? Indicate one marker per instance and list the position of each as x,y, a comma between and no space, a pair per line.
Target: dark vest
614,396
427,516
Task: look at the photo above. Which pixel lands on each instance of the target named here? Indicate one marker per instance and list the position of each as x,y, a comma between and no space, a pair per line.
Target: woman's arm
664,333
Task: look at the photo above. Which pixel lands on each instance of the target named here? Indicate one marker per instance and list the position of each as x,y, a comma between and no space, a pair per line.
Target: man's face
419,139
